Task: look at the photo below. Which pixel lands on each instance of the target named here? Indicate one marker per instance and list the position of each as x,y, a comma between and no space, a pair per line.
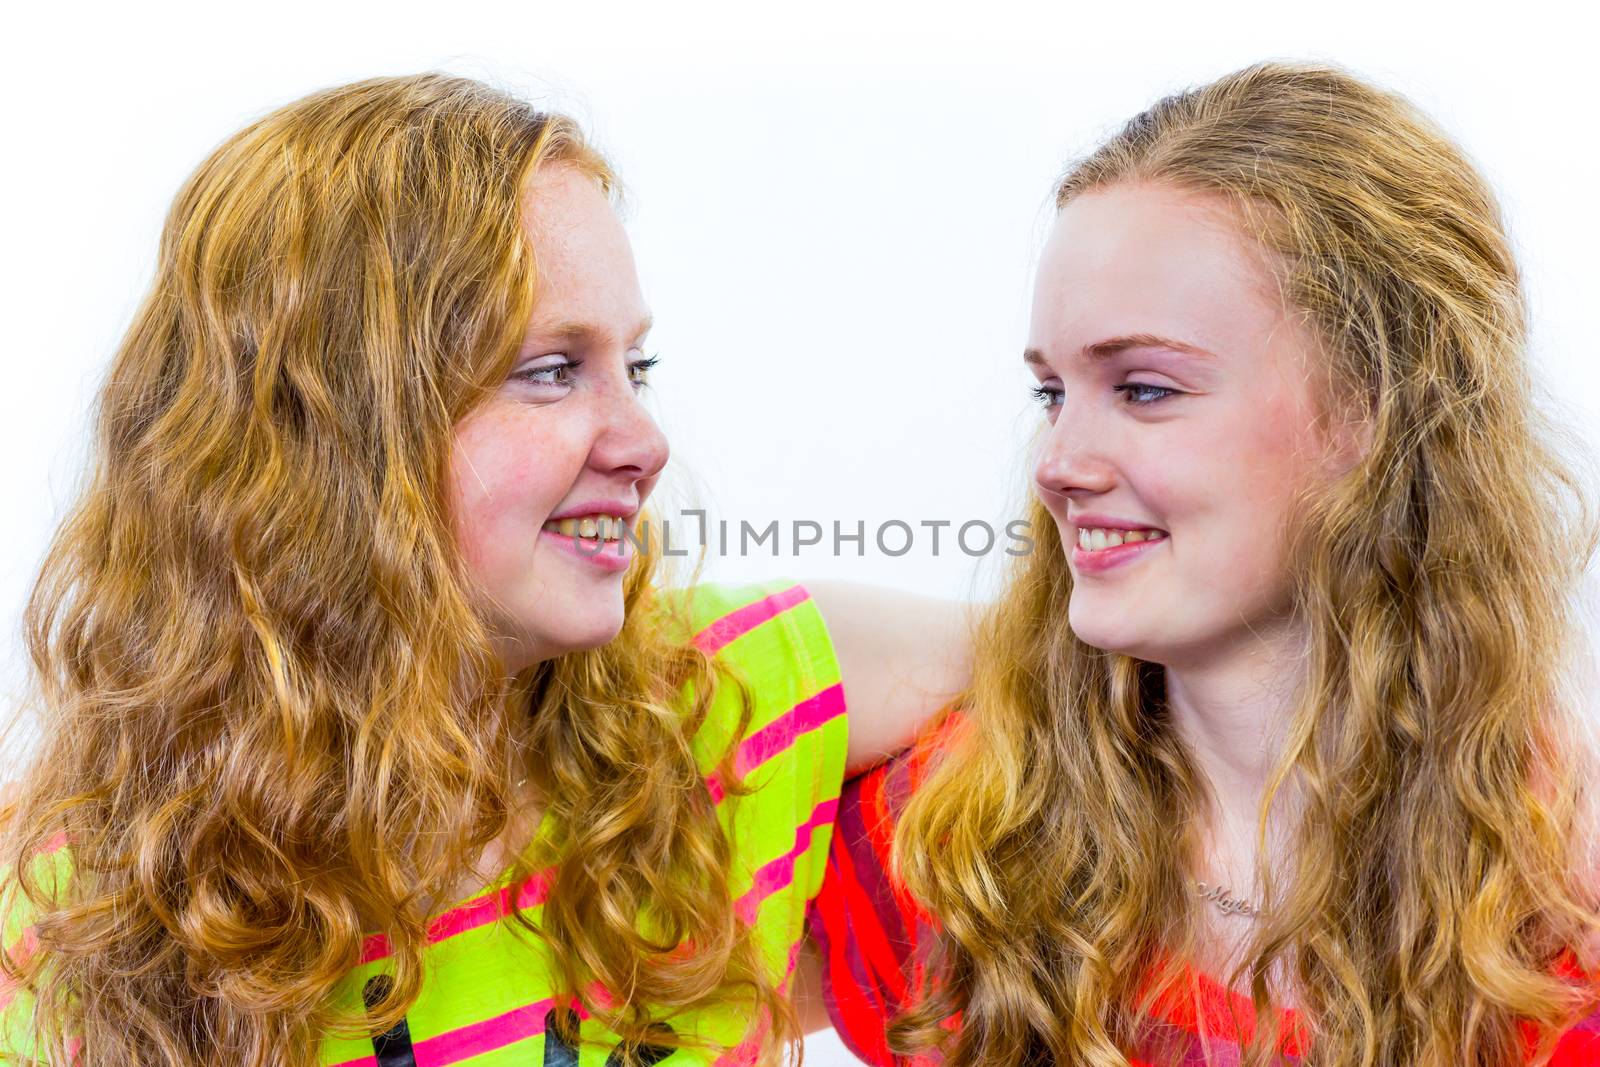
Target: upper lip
616,508
1109,522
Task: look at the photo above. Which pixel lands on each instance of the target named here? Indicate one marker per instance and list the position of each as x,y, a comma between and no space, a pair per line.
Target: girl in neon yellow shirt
369,738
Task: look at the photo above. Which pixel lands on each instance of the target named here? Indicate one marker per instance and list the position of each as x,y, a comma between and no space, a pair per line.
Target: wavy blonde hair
1435,876
273,720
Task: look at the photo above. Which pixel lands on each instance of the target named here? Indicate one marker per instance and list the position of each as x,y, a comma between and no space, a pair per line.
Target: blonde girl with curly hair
1274,751
367,736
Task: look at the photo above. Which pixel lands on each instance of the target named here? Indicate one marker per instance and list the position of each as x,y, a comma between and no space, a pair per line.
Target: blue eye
1139,393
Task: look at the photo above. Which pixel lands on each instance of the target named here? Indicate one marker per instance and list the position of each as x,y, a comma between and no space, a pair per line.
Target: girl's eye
549,373
639,370
1138,393
1047,395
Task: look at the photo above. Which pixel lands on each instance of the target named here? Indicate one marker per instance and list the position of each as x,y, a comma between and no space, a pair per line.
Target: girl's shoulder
751,622
779,679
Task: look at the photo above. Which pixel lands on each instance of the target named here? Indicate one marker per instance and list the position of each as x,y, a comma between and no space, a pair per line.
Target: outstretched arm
902,658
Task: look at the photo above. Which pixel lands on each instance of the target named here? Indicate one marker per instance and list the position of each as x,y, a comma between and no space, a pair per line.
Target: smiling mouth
595,528
1098,539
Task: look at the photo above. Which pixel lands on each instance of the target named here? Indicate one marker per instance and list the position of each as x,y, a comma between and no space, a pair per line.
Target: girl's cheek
519,452
1164,472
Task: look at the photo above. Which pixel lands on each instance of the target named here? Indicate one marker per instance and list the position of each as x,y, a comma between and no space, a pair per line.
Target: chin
1105,629
583,634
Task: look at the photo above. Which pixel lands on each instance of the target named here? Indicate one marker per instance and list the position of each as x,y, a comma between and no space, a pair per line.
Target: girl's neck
1232,707
1232,712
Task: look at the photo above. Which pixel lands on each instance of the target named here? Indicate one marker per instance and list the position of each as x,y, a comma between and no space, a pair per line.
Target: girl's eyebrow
1111,346
584,331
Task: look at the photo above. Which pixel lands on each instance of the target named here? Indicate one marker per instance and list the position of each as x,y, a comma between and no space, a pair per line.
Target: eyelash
564,372
1045,395
643,366
1128,389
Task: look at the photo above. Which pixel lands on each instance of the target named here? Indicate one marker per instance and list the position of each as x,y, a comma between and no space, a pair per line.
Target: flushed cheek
1207,501
1238,540
1166,486
1277,470
1246,459
493,533
504,488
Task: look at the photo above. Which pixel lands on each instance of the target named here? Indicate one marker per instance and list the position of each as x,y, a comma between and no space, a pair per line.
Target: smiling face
1177,387
564,445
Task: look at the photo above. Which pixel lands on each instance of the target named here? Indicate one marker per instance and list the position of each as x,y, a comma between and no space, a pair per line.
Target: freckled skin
536,448
1217,467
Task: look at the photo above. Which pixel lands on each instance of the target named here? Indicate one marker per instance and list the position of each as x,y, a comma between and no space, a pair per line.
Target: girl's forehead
1149,233
1133,260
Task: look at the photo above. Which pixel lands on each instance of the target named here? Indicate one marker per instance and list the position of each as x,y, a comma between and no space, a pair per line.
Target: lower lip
1105,559
611,557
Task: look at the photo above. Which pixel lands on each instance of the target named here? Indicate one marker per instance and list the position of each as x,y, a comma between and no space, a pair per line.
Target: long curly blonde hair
1435,876
273,722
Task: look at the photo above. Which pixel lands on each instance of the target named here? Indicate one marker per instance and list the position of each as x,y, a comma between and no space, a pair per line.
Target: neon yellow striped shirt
489,998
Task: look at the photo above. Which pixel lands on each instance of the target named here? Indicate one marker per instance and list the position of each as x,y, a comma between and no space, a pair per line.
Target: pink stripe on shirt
779,734
479,911
736,624
769,741
480,1037
21,949
776,876
474,1039
27,942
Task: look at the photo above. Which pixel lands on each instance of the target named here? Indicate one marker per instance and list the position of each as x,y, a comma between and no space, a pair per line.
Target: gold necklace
1226,902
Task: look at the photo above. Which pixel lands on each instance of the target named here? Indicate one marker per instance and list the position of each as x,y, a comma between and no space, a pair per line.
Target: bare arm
902,657
805,990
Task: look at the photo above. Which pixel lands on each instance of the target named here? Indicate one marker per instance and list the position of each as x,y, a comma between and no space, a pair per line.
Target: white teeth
1093,540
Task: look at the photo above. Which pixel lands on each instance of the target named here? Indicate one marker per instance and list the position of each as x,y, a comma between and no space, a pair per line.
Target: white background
835,210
